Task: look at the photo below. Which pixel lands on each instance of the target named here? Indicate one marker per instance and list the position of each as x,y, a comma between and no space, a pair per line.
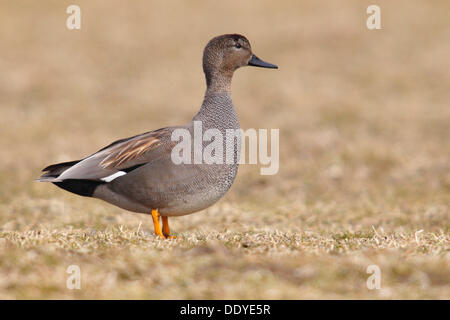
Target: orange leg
155,216
166,229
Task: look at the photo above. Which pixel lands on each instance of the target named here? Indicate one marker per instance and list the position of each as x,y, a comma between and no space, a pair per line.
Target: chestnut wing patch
116,159
130,150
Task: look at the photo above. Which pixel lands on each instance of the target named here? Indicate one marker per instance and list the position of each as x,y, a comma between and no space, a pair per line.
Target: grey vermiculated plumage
150,179
184,188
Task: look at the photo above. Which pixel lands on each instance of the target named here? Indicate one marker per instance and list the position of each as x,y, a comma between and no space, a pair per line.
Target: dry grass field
364,179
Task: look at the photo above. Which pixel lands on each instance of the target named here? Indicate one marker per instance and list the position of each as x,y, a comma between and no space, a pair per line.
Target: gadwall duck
138,173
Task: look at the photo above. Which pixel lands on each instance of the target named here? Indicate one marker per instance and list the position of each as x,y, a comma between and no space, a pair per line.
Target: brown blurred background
364,123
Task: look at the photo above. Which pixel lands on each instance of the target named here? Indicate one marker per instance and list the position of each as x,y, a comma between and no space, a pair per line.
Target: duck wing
116,159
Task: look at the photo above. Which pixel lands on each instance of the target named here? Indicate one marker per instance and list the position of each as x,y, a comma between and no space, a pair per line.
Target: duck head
226,53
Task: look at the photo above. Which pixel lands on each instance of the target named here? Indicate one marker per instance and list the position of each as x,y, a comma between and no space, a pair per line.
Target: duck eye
238,45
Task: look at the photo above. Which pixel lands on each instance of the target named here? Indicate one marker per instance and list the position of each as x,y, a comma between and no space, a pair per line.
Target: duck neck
217,110
218,80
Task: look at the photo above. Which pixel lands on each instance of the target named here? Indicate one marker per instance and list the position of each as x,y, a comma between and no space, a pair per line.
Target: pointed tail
51,173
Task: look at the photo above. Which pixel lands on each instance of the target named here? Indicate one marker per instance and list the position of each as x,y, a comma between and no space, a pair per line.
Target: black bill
257,62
